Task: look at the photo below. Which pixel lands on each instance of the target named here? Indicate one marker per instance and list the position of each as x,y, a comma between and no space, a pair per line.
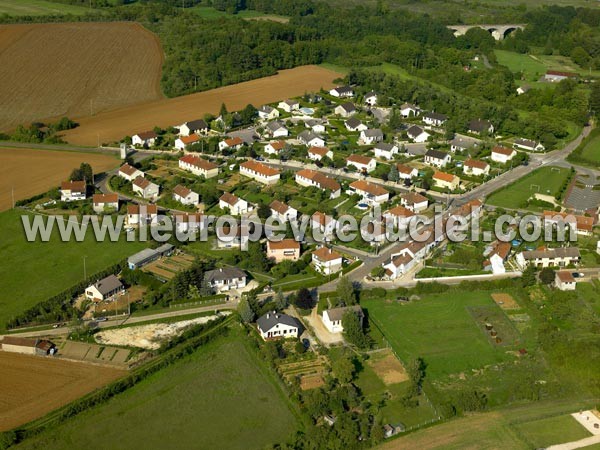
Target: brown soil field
388,368
112,126
75,69
33,385
30,172
505,301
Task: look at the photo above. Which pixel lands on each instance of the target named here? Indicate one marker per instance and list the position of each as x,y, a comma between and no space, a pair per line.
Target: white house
234,143
183,142
105,289
438,159
417,134
267,112
130,173
316,125
415,202
144,214
369,137
497,257
370,98
446,180
146,138
332,318
260,172
408,110
406,172
353,124
105,202
198,126
502,154
185,195
434,119
308,177
385,150
145,188
189,223
361,163
345,109
283,250
233,203
371,193
225,279
275,147
553,257
523,89
480,126
276,129
71,191
324,223
327,261
529,145
311,139
565,281
460,143
198,166
283,211
289,105
275,325
342,91
318,153
398,216
476,167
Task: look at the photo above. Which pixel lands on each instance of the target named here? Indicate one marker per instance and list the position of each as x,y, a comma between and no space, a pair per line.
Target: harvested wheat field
75,69
34,385
114,125
30,172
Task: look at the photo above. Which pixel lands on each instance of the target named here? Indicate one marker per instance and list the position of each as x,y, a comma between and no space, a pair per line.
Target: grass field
546,180
34,271
592,149
39,8
517,62
553,430
207,12
221,397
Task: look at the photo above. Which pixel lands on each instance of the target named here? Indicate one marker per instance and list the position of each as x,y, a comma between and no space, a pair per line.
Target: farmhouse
361,163
553,257
276,129
386,151
144,139
289,105
322,222
529,145
417,134
105,202
406,172
198,166
460,143
144,214
480,126
234,143
71,191
260,172
398,216
342,91
185,195
414,202
446,180
184,142
368,137
370,98
345,109
437,159
434,119
105,289
371,193
145,188
275,147
267,112
318,153
198,126
476,167
503,154
332,318
311,139
565,281
234,204
408,110
28,346
353,124
277,325
286,249
282,211
327,261
225,279
308,177
189,223
130,173
554,76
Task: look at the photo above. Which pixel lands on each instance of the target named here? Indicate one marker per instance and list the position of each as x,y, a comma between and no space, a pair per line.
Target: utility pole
84,269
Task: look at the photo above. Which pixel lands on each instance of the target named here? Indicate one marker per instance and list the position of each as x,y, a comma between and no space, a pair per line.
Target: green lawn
34,271
39,8
518,62
546,180
220,397
551,431
592,149
208,12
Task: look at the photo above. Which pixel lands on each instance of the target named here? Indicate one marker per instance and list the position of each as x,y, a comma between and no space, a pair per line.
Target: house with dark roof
370,98
417,134
354,124
267,112
274,325
436,158
144,139
385,150
434,119
197,126
345,109
371,136
105,289
311,139
276,129
342,91
332,318
28,346
551,257
480,126
529,145
225,279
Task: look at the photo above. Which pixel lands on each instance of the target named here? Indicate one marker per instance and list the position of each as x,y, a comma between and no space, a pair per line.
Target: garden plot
387,367
310,372
167,268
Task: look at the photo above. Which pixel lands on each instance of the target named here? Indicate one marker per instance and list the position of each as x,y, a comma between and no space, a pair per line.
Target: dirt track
72,69
33,385
114,125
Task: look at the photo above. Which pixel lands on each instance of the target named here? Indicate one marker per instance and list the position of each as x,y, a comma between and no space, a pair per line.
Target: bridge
499,32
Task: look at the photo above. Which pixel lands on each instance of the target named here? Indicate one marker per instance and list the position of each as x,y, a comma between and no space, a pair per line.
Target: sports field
220,397
546,180
39,8
34,271
115,125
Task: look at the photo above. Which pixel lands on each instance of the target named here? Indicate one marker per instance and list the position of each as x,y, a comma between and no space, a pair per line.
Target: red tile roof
326,254
322,180
74,186
503,150
283,244
198,162
359,159
449,178
105,198
370,188
260,168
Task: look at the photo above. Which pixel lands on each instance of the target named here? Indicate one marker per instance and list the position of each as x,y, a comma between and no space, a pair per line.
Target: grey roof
338,313
198,124
562,252
414,131
385,146
165,248
141,256
266,108
375,132
349,107
353,122
307,136
436,154
463,142
371,94
526,142
270,319
225,273
436,116
343,89
108,284
276,125
479,125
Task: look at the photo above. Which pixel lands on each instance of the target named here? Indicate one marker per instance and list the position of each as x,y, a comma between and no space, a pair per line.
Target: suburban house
327,261
565,281
145,139
398,216
276,129
554,76
345,109
234,204
361,163
282,211
385,150
28,346
370,98
238,238
198,126
434,119
497,257
417,134
371,193
353,124
373,232
437,159
317,153
446,180
105,202
185,195
414,202
552,257
503,154
480,126
225,279
316,125
529,145
144,214
71,191
148,255
476,167
582,225
198,166
332,318
342,91
369,137
277,325
145,188
182,142
105,289
267,112
275,147
459,144
286,249
234,143
311,139
406,172
187,222
408,110
260,172
322,222
308,177
130,173
408,256
289,105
